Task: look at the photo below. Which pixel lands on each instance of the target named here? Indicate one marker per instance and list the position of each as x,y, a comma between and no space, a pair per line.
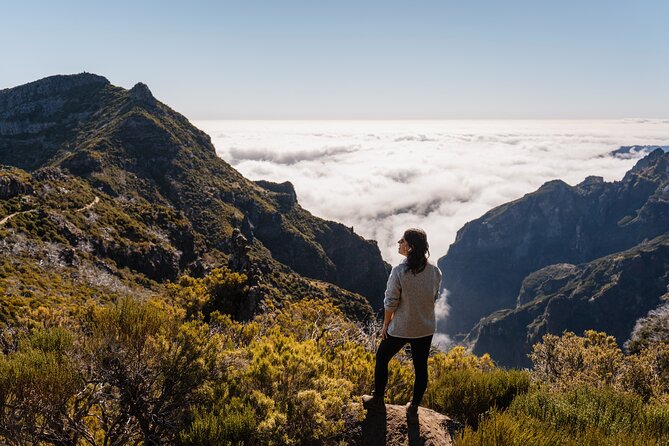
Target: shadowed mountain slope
609,294
181,202
485,266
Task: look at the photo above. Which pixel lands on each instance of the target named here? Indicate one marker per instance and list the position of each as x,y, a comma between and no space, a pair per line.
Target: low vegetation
179,368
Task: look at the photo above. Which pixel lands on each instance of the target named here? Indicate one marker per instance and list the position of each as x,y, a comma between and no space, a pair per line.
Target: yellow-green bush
128,372
291,374
584,416
221,290
42,392
232,424
466,394
593,359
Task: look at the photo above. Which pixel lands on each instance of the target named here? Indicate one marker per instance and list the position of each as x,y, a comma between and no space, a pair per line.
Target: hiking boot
373,403
412,413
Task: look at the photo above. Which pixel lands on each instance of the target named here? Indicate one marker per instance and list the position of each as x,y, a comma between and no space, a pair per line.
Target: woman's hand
387,317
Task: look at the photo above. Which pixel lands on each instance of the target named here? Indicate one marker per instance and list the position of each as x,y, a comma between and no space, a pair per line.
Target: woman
413,287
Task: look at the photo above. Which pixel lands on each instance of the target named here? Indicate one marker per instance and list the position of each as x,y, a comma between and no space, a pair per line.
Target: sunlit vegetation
585,391
95,352
180,369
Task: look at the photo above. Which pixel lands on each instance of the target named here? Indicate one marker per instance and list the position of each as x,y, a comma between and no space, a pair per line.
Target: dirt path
89,205
10,216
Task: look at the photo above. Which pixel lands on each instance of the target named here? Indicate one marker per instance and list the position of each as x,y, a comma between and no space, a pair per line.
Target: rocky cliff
609,294
181,201
491,256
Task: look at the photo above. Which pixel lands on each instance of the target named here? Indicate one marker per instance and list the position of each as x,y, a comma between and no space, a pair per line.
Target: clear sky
339,59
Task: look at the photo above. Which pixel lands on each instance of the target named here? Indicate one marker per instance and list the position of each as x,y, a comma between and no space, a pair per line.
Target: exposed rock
392,429
13,182
49,174
608,294
141,93
485,266
546,280
591,180
285,192
648,160
156,262
83,162
18,97
40,118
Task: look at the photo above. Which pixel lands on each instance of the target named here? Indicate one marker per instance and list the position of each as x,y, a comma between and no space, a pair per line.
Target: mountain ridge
143,157
558,223
590,256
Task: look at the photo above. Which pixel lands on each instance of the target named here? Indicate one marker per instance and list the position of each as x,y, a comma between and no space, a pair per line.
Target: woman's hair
419,249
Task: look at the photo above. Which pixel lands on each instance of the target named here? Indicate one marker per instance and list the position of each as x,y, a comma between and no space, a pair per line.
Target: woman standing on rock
413,287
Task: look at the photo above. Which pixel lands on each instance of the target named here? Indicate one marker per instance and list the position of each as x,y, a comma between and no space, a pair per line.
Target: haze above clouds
382,177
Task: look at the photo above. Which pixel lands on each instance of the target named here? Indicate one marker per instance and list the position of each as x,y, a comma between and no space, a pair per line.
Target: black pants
420,349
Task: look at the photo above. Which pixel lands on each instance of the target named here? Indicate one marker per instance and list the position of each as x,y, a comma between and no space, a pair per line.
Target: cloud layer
384,176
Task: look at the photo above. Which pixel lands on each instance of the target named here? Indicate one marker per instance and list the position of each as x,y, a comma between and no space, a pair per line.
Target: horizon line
633,119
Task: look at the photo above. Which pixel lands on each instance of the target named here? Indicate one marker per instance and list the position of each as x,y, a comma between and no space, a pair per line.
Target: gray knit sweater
411,298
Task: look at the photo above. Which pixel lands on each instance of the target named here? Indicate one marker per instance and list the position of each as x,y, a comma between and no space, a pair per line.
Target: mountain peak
52,85
649,159
140,92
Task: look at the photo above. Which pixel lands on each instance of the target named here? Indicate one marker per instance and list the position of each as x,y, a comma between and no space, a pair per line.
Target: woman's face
403,248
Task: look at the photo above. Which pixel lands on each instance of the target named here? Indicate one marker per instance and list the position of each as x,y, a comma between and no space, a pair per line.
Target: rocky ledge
392,428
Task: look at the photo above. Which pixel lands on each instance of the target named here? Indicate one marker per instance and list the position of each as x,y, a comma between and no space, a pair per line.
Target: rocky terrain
491,256
590,256
609,294
166,203
392,429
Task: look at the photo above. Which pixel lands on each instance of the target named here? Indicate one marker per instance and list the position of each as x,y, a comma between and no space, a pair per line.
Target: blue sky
356,59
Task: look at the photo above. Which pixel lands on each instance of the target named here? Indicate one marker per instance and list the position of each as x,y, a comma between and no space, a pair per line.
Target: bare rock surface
391,428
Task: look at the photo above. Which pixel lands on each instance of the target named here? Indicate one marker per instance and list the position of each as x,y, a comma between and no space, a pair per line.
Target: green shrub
562,361
584,416
43,395
234,424
466,394
501,429
581,408
221,290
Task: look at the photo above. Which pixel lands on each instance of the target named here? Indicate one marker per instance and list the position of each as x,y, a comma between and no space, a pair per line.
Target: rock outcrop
13,183
492,255
392,429
609,294
633,151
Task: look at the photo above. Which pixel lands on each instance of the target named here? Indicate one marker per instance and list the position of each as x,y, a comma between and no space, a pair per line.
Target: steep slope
609,294
152,166
64,243
485,266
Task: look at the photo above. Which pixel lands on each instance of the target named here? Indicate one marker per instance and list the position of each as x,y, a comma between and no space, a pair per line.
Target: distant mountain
178,207
491,264
485,266
631,151
609,294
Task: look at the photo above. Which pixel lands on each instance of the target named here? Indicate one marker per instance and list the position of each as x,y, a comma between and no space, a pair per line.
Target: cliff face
609,294
38,118
485,267
143,155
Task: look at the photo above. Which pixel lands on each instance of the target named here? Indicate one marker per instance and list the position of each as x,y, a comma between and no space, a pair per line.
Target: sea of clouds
382,177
